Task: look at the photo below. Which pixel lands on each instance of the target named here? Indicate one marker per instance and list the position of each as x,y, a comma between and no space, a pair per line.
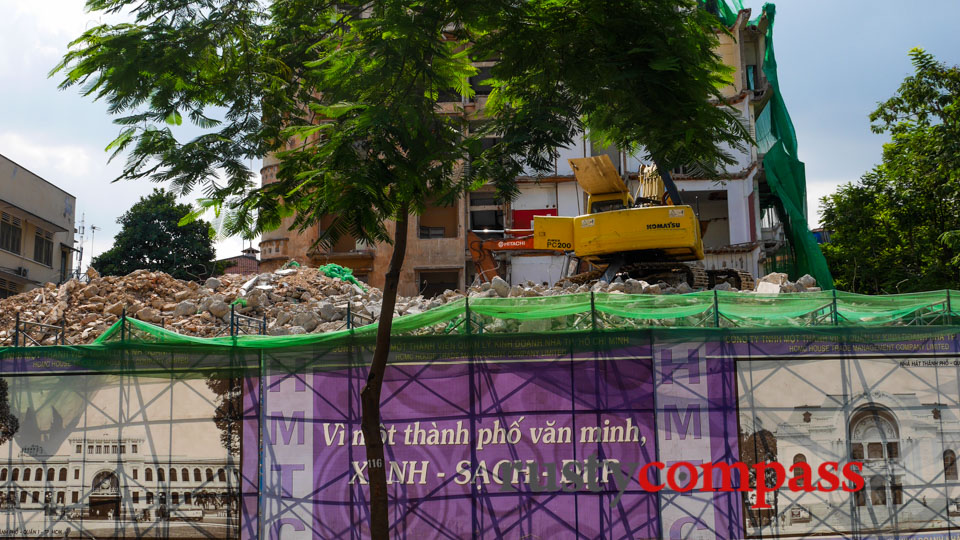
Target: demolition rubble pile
292,301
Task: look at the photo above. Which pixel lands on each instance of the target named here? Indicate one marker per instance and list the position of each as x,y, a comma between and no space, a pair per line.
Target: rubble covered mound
774,283
292,301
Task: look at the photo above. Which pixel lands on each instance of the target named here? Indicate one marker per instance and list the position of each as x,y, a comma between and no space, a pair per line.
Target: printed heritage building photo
901,422
116,458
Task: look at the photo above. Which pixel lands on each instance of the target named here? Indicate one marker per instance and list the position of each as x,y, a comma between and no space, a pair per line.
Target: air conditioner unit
21,271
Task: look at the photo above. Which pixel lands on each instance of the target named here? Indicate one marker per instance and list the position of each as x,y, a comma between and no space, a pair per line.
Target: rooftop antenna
93,233
83,230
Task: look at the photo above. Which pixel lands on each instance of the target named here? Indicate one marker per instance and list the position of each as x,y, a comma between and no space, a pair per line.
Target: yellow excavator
646,237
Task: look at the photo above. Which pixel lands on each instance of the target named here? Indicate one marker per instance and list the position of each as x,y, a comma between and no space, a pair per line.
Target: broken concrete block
767,287
500,286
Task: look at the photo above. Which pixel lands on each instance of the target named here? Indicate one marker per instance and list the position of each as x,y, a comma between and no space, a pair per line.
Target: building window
173,475
209,475
61,497
196,476
3,475
160,475
149,475
185,475
79,448
434,282
8,288
149,498
480,82
11,230
135,471
175,498
799,458
89,448
133,448
38,475
114,450
439,221
15,475
187,498
43,247
896,491
76,474
51,474
75,497
63,474
26,475
123,449
23,497
136,497
878,491
99,449
875,429
35,497
950,465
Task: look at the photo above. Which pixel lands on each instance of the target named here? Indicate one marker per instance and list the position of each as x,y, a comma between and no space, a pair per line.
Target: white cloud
817,189
65,159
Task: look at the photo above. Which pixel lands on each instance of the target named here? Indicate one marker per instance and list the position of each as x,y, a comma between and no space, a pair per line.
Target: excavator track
747,282
672,273
739,279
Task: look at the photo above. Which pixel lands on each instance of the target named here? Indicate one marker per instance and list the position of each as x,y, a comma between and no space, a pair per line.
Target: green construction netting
598,312
777,139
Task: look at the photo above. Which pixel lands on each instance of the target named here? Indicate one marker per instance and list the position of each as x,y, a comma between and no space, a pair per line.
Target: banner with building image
526,436
488,436
116,453
886,398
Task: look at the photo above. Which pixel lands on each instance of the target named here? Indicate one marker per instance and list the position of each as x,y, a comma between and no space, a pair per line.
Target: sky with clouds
837,59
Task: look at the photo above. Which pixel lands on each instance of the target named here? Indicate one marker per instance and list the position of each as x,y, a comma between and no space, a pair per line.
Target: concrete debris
292,301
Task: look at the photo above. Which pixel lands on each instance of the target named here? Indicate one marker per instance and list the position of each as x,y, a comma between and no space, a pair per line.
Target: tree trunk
370,395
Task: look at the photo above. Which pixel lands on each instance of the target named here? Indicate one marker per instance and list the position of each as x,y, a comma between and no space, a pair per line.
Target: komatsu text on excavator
620,235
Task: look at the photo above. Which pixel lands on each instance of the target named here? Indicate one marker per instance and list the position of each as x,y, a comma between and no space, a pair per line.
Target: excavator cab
613,229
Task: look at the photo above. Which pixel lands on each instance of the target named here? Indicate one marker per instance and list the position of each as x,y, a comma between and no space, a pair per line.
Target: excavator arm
482,250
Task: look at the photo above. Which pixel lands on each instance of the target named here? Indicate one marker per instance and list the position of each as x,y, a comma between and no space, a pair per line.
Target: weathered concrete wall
38,205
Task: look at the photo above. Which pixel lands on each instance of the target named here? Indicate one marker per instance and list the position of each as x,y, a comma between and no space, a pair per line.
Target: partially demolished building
749,222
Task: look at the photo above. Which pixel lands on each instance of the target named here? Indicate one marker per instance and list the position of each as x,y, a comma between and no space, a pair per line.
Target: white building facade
116,478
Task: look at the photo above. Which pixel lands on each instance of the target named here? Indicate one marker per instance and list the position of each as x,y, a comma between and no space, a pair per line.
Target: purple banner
492,445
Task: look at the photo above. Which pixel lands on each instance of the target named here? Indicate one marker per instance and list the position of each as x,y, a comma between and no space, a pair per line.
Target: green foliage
349,101
895,230
228,414
151,238
9,423
641,75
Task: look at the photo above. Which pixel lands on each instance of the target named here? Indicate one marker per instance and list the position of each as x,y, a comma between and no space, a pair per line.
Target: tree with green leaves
898,228
345,94
152,238
9,423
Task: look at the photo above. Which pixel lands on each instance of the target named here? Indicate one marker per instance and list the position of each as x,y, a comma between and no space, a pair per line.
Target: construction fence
150,434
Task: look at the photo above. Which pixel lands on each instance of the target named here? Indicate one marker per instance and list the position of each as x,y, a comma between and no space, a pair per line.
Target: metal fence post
16,332
263,325
835,314
593,309
349,317
466,314
716,309
123,324
949,309
63,331
233,329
